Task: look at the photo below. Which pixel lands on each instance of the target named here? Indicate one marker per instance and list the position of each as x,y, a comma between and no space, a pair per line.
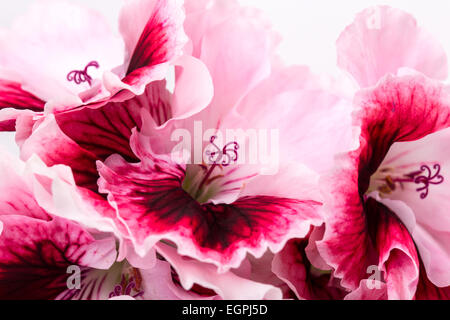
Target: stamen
424,176
80,76
221,157
127,285
224,152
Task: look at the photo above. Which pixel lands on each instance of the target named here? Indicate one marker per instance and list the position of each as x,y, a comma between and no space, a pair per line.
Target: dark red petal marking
13,96
395,245
293,266
35,255
363,233
426,290
151,200
347,245
107,130
155,45
422,107
359,232
83,136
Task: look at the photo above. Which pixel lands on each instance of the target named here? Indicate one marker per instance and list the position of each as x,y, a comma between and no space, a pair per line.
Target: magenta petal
54,147
398,109
154,36
35,256
81,137
426,290
151,201
369,290
397,253
13,96
367,235
292,266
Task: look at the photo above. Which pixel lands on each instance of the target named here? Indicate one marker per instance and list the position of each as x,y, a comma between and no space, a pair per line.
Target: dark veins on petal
105,131
35,270
158,202
151,48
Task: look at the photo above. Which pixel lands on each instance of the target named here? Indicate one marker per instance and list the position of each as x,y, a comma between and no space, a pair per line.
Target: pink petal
154,36
12,96
16,192
194,272
382,40
360,235
68,137
70,38
369,290
236,70
35,256
292,102
430,223
293,266
221,234
54,147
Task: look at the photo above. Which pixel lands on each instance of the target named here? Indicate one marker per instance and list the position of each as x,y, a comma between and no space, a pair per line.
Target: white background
309,28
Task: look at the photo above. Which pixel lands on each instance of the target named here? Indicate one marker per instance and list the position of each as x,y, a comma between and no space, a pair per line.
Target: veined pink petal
154,36
362,232
16,192
150,194
382,40
423,202
54,147
35,256
399,109
12,96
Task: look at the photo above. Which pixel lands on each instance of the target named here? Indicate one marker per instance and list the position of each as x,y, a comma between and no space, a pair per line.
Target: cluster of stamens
424,178
130,285
80,76
217,160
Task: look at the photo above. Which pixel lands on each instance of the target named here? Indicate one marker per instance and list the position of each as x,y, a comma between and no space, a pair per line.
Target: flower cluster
182,159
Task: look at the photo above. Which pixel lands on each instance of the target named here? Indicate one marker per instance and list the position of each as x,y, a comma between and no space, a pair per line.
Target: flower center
387,180
80,76
202,182
130,284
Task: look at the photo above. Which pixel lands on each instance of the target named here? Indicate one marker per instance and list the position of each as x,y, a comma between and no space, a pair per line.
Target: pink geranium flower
41,253
60,56
219,211
37,248
213,213
387,201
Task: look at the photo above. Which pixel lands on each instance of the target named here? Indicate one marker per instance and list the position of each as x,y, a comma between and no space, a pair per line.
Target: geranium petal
194,272
293,266
12,96
150,194
35,256
382,40
154,36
